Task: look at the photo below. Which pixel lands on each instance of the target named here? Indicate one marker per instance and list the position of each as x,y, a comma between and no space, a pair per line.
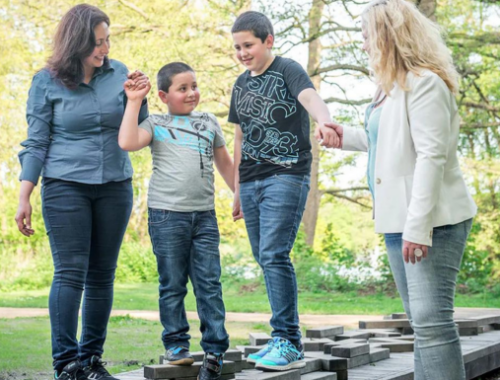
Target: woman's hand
23,218
414,252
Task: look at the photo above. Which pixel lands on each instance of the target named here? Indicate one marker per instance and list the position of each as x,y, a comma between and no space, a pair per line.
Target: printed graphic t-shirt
274,124
183,153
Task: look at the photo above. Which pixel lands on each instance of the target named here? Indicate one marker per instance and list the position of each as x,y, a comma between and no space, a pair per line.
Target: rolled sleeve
39,118
429,108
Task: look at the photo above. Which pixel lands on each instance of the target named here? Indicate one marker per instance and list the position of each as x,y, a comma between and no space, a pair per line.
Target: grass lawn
240,299
26,351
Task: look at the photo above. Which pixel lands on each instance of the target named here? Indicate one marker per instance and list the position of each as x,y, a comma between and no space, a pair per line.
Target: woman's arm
23,215
39,118
429,113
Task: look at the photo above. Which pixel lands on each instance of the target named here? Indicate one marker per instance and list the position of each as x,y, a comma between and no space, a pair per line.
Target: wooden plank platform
481,355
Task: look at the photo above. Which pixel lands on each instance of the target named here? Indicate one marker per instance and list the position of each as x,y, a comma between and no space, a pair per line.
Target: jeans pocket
157,216
291,179
213,214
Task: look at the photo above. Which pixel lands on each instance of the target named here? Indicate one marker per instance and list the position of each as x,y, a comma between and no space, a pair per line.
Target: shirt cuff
31,169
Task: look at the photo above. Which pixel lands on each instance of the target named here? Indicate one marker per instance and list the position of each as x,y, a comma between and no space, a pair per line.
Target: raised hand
137,89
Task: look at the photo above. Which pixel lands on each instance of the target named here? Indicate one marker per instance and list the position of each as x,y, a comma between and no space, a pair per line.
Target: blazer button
379,181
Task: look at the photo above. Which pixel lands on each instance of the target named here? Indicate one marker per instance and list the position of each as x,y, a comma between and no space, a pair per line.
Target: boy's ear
163,96
269,42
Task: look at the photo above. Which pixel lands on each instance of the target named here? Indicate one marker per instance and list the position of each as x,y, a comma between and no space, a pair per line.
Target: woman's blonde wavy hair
402,40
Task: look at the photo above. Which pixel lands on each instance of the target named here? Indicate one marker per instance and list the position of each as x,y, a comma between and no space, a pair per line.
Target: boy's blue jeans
85,225
428,291
186,244
273,209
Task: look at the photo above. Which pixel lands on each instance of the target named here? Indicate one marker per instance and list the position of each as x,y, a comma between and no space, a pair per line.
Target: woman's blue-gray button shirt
73,133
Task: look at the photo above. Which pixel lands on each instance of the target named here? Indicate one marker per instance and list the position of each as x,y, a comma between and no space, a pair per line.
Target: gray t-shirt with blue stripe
183,153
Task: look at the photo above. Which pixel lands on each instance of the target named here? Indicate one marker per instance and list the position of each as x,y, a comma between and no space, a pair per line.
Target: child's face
183,94
254,54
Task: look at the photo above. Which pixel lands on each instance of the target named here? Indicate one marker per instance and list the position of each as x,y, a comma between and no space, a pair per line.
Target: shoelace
98,366
283,348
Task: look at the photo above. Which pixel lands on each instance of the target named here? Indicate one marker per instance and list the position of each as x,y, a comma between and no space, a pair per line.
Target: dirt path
349,321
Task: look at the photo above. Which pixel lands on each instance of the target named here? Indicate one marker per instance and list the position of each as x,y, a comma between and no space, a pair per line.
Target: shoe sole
273,368
186,361
252,361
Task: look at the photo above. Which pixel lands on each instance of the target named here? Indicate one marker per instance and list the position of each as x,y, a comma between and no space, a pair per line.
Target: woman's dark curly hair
73,42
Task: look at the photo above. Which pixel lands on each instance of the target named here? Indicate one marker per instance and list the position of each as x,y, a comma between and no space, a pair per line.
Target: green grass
26,351
145,297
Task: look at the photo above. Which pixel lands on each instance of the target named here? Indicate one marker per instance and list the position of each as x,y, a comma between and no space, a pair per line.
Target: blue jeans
428,290
273,209
85,225
186,244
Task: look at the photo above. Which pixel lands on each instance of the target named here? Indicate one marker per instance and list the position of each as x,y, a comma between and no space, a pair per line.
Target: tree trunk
312,205
428,8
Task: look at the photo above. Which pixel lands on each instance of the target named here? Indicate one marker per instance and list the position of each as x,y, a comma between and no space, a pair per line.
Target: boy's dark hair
167,72
254,22
73,42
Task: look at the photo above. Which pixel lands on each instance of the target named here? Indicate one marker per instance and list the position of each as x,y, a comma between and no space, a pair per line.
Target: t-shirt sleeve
233,114
296,78
219,137
148,125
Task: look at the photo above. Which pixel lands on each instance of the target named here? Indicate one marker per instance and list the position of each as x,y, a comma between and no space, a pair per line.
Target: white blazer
418,184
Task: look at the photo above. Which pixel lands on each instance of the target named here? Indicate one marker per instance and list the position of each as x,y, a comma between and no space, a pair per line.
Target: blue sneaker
253,358
179,355
283,357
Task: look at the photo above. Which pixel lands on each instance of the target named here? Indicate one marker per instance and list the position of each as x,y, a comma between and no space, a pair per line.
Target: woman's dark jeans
85,225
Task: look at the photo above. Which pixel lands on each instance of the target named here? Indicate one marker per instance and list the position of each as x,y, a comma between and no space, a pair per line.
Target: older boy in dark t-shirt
270,105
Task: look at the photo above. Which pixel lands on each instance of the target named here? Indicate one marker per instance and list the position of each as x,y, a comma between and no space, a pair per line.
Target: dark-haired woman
75,107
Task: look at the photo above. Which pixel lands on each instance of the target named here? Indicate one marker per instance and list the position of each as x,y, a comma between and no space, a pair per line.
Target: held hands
237,212
339,130
137,86
414,252
23,218
328,135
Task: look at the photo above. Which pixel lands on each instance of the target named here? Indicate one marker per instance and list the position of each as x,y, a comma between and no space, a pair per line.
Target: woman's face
102,45
366,46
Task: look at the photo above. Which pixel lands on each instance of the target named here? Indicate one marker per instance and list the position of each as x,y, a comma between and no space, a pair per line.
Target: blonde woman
421,202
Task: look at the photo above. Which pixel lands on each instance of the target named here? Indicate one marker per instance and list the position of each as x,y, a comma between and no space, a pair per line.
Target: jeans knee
435,334
274,260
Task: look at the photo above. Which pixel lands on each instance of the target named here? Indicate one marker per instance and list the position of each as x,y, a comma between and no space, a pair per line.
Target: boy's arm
318,110
225,165
131,137
238,138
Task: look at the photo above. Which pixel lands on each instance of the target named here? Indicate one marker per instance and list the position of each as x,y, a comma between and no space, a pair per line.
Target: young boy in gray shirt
182,221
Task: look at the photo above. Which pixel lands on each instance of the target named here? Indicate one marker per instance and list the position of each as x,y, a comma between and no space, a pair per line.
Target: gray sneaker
179,355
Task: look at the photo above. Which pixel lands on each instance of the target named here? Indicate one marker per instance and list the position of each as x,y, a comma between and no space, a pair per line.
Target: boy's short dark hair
167,72
254,22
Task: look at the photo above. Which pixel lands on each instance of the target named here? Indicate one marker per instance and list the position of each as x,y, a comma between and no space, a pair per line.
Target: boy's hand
339,130
237,212
137,89
326,136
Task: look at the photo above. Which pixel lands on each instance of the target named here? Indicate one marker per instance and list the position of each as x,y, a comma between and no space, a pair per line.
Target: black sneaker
72,371
179,355
96,371
212,367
